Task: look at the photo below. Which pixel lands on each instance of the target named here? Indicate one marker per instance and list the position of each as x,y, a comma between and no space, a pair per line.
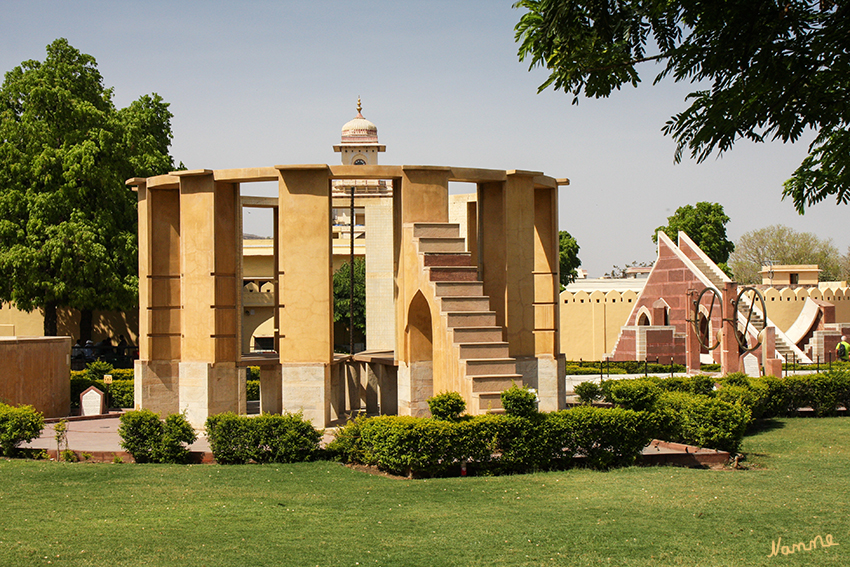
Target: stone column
156,370
729,358
305,285
210,381
380,312
692,346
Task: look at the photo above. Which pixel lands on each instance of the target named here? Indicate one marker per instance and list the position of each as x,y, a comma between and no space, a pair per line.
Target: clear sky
259,83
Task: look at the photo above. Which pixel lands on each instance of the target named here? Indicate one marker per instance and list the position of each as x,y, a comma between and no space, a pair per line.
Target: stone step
436,230
471,319
429,244
477,334
447,259
453,273
483,350
464,303
489,401
457,289
490,366
495,383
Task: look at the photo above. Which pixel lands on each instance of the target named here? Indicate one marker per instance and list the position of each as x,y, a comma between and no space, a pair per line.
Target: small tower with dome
359,144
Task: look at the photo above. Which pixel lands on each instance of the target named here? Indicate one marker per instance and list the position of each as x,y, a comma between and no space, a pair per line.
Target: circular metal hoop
742,338
704,340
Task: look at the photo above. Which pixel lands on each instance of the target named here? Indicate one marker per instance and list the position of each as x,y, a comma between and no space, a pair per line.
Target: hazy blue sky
265,83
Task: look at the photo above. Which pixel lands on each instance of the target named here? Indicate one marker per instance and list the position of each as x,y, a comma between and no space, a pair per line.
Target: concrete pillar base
415,386
306,388
155,386
546,375
206,389
271,389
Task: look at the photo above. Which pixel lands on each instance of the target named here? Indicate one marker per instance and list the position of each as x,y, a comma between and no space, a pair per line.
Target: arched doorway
420,350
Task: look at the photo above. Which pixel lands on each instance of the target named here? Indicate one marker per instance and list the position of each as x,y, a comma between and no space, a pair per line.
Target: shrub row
621,367
765,396
237,439
18,424
149,439
495,443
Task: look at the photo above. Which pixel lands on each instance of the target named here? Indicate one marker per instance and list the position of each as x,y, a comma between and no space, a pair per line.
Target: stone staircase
786,349
477,342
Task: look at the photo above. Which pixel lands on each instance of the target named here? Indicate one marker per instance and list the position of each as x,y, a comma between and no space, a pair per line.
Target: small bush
237,439
346,446
18,424
286,438
447,406
230,439
120,393
520,402
704,421
588,392
98,369
606,437
150,440
638,394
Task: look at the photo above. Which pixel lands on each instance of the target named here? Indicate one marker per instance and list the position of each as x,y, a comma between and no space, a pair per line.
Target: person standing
842,350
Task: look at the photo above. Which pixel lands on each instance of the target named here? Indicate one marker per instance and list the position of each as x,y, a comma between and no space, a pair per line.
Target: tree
774,69
779,244
342,295
568,257
67,221
705,224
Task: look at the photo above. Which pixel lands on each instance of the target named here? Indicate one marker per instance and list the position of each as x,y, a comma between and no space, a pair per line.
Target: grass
326,514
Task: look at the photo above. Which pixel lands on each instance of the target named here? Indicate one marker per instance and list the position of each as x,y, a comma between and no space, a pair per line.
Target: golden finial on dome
359,106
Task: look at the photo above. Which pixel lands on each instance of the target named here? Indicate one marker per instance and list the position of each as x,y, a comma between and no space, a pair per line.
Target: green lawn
324,514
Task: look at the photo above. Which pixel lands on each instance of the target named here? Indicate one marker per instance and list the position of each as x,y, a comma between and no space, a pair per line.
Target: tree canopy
568,257
67,221
705,224
763,69
779,244
342,295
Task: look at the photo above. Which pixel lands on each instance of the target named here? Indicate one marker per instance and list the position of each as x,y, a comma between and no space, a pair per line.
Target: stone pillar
772,365
692,346
160,294
305,287
380,312
729,358
210,247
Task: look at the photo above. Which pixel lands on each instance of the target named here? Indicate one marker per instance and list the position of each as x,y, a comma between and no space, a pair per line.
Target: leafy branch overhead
764,70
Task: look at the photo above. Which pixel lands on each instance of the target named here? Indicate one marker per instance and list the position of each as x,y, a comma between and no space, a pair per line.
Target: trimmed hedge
494,443
267,438
700,420
18,424
149,439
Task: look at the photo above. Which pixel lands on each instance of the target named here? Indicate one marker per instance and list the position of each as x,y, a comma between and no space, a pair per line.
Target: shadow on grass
764,426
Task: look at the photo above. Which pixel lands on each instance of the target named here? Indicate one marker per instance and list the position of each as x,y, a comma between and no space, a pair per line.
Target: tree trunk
49,310
86,317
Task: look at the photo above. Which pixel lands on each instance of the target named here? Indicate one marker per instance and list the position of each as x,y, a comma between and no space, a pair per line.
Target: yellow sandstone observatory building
472,315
